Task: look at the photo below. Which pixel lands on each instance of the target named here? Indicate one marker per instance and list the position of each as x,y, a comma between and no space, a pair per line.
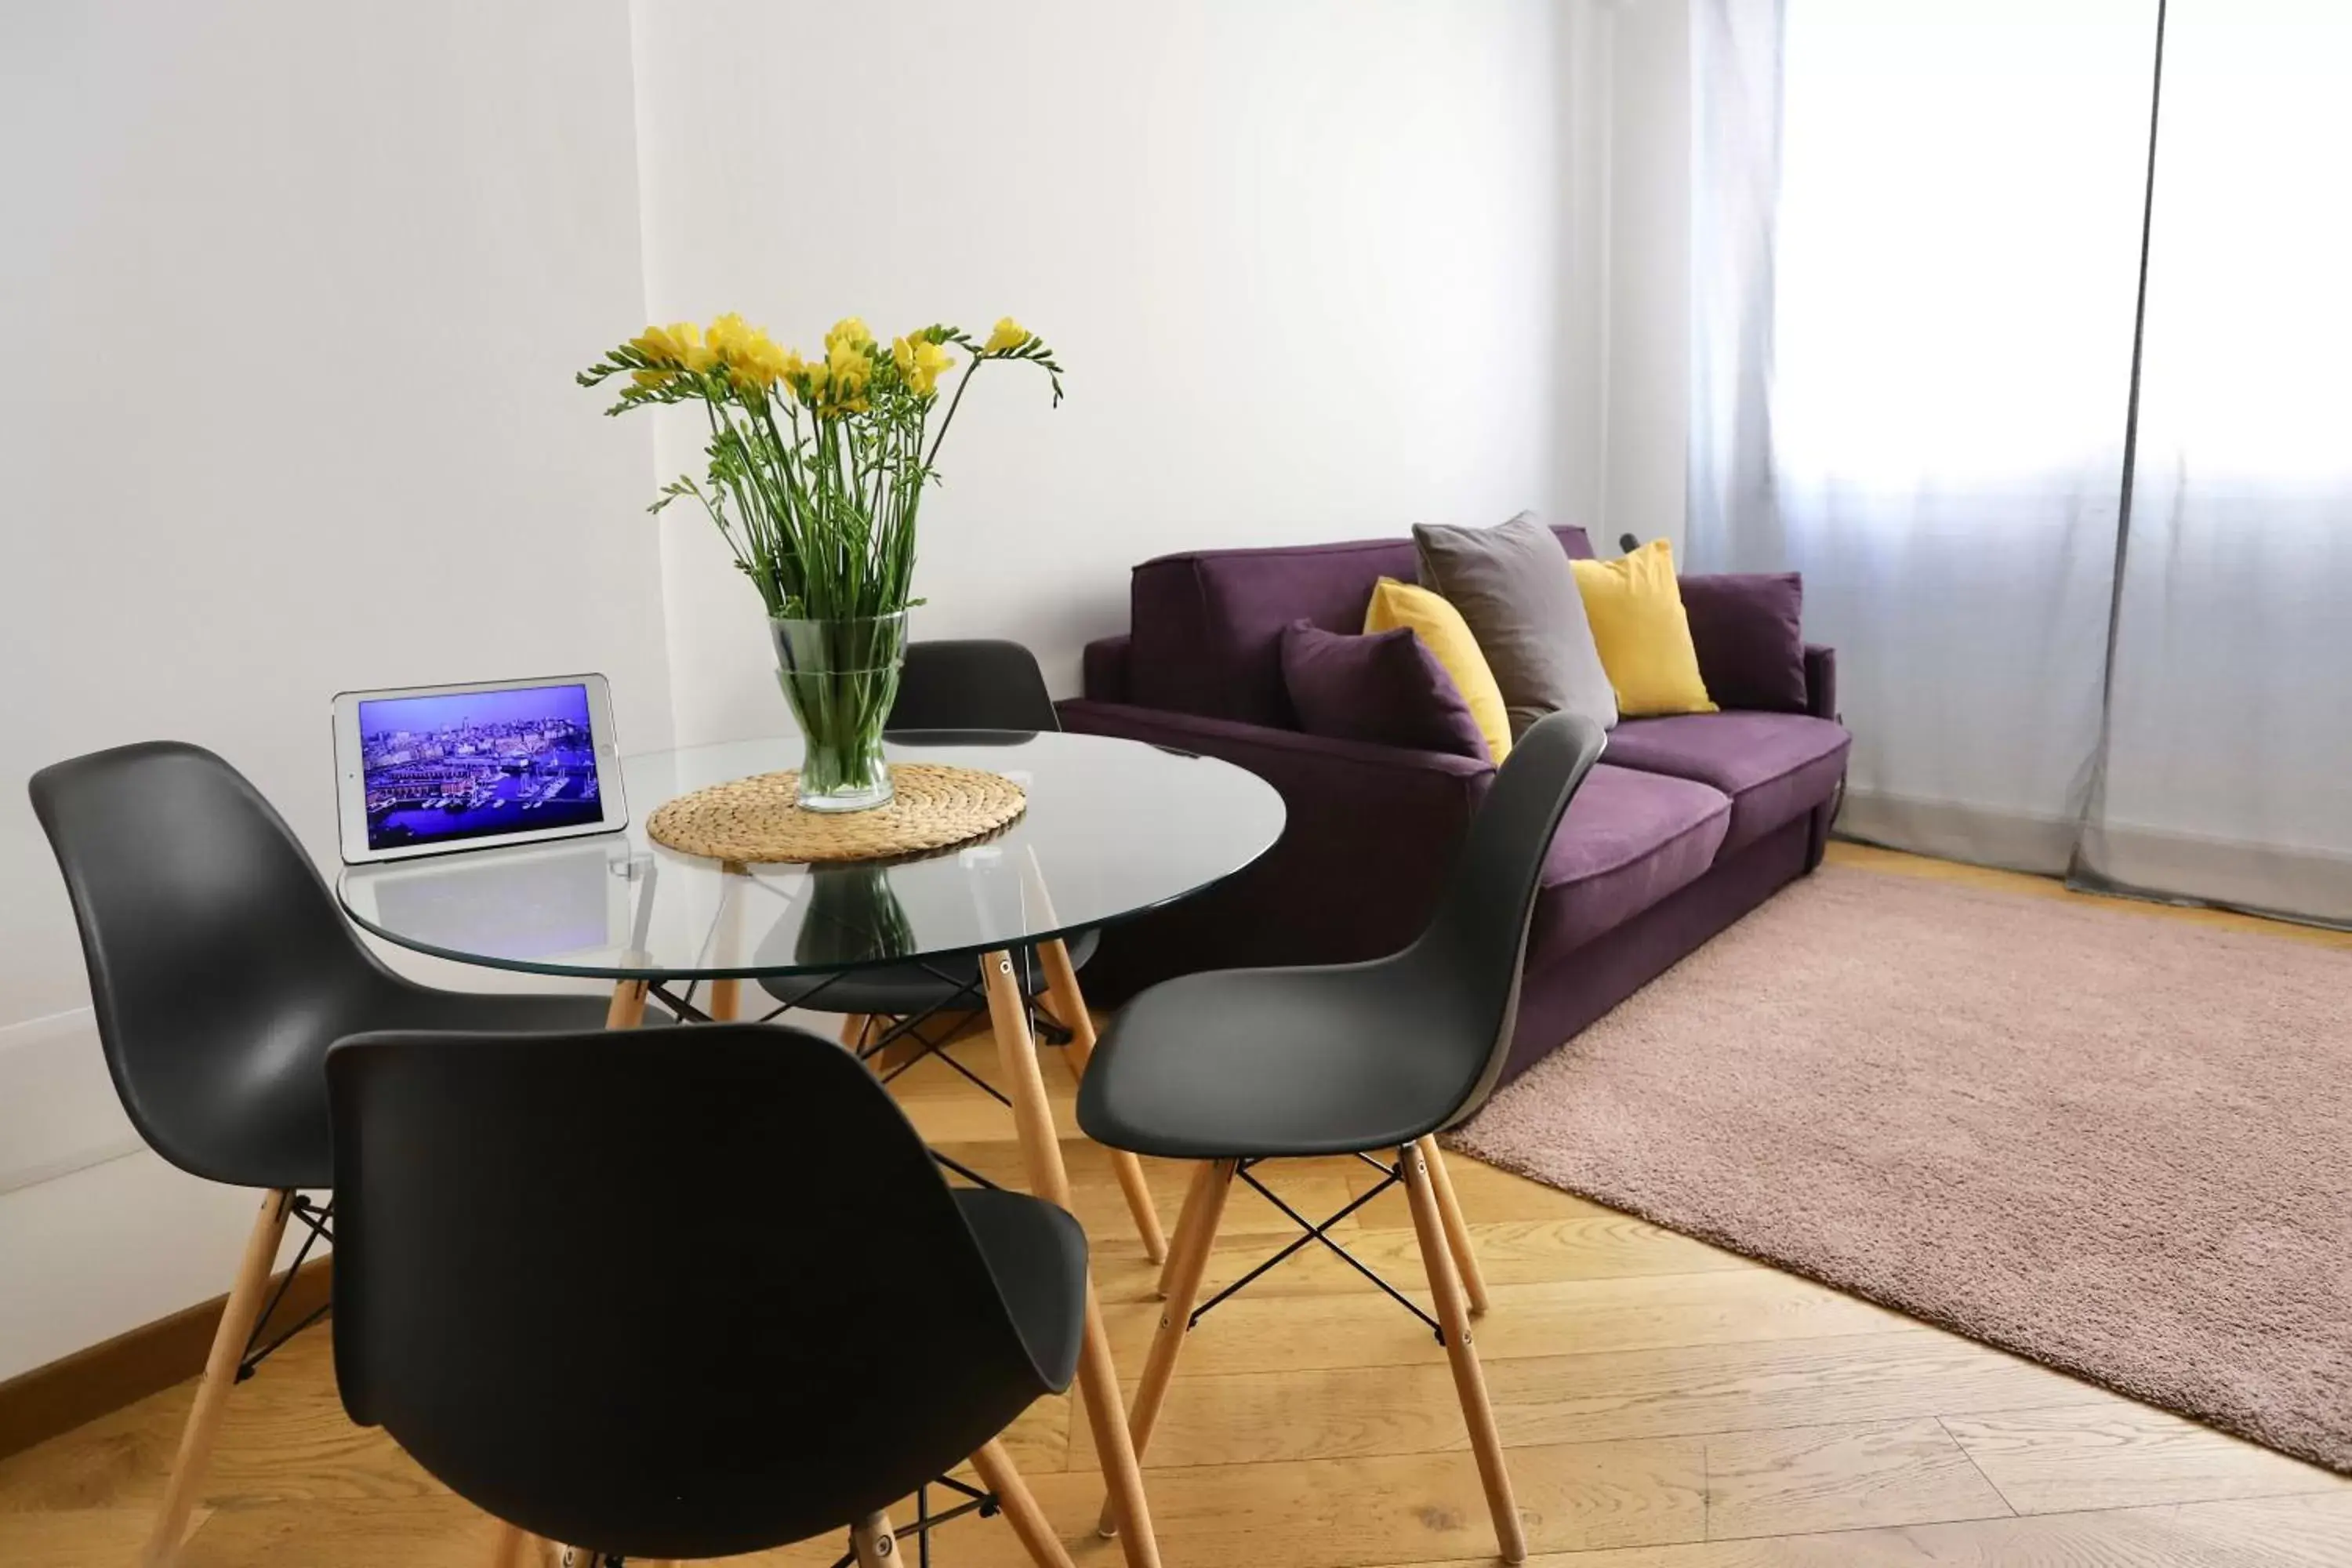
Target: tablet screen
452,765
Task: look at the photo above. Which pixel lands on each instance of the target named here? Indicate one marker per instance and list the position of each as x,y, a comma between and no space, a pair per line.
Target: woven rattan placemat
760,818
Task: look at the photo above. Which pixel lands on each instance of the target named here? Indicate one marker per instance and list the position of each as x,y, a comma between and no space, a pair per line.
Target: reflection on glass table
1113,828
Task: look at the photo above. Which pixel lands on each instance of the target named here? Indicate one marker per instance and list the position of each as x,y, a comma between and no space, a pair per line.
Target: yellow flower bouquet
815,469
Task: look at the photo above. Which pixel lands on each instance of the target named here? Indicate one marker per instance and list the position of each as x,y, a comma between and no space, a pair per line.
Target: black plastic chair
221,970
946,688
756,1314
1238,1067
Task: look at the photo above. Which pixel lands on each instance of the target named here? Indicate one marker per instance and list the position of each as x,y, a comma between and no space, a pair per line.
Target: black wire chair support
319,1221
1390,1176
983,1504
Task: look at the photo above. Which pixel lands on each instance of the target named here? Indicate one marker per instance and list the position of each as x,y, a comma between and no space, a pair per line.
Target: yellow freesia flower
846,363
920,363
729,336
848,329
752,357
693,353
650,379
1009,334
657,345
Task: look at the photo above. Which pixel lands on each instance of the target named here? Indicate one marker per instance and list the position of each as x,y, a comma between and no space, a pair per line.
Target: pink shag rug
2120,1146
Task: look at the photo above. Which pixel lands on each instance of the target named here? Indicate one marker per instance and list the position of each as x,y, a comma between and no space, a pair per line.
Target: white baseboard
58,1111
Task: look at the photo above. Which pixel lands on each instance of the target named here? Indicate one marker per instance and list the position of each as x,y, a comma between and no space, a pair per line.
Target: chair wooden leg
1021,1510
853,1030
874,1542
1457,1230
1469,1380
1032,1118
627,1009
1069,1006
1188,1260
243,1305
517,1547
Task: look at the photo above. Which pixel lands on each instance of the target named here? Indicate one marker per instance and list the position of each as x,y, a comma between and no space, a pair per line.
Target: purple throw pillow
1385,688
1748,629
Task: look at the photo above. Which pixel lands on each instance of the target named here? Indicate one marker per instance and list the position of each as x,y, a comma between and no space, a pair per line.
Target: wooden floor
1667,1406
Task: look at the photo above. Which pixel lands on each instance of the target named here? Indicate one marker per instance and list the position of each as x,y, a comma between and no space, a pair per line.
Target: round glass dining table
1113,828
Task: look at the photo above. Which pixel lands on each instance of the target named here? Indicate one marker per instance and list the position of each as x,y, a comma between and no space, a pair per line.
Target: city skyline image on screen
458,765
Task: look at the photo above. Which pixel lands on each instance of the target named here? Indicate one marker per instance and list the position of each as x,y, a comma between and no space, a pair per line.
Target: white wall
295,294
1647,379
298,291
1302,261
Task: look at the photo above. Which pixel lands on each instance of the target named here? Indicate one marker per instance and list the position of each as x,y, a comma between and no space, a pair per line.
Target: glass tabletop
1113,828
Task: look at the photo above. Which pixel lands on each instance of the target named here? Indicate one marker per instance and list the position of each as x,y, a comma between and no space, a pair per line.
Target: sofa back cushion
1749,631
1207,633
1384,688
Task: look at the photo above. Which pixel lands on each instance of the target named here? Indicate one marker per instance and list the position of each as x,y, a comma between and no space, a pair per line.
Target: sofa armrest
1104,671
1370,835
1820,681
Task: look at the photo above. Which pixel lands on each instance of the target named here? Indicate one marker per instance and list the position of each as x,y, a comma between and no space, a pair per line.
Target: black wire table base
968,996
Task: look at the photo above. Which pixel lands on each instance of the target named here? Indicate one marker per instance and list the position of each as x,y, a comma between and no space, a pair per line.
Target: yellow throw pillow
1638,625
1441,630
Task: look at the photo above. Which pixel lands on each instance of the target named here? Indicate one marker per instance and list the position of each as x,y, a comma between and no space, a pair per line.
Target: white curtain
1938,359
2229,765
1953,266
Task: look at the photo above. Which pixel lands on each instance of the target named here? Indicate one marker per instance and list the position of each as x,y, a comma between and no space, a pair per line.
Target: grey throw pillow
1515,589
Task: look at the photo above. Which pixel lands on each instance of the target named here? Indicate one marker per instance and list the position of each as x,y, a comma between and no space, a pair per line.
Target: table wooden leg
1033,1117
726,999
1069,1006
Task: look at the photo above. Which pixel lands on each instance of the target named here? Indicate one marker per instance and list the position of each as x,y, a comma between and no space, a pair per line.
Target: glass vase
840,678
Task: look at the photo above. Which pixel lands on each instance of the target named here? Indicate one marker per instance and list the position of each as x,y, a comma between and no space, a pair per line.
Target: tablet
421,770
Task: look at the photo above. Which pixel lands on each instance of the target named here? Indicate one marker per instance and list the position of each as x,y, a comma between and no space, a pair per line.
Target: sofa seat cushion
1774,766
1628,840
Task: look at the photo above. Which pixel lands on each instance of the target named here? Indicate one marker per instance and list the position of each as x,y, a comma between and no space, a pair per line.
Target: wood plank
2304,1531
83,1538
1488,1193
1321,1413
38,1405
435,1530
1520,1252
1350,1512
2118,1454
1894,862
1254,1333
1799,1479
1316,1188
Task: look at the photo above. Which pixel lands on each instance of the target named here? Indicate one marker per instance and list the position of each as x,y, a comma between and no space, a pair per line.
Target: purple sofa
1687,824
